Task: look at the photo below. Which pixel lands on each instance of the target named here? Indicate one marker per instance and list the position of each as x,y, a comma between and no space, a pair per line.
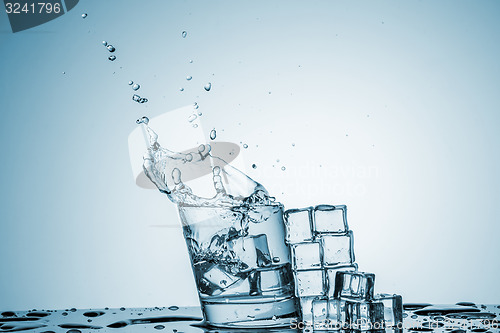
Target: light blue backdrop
393,107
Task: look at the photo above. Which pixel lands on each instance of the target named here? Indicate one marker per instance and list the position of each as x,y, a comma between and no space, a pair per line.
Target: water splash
170,171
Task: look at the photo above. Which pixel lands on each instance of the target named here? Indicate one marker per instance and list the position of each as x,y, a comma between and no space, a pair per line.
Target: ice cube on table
331,272
310,282
298,225
306,255
393,309
383,311
306,310
253,251
329,314
349,284
337,249
330,219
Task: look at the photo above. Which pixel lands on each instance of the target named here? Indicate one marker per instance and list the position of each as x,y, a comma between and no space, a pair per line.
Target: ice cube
384,311
310,282
220,277
330,219
277,279
331,272
338,249
306,310
350,284
393,309
252,251
365,315
299,225
320,314
306,255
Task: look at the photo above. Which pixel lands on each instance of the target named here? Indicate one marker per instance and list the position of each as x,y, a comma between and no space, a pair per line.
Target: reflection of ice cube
219,277
354,285
320,314
329,314
310,282
331,272
338,249
306,255
299,225
252,251
393,309
330,219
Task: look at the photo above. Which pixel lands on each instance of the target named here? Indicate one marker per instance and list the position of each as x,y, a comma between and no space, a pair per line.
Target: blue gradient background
393,107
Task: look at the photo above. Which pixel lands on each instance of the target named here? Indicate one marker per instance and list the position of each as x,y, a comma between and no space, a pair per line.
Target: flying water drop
189,78
112,58
208,86
136,98
192,117
283,168
184,34
136,87
181,89
110,48
213,134
245,146
104,43
130,82
84,15
254,166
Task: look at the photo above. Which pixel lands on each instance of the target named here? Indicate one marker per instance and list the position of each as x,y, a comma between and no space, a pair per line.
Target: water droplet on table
175,307
143,120
159,327
208,86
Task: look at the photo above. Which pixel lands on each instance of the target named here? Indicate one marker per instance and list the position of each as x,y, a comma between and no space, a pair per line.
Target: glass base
250,312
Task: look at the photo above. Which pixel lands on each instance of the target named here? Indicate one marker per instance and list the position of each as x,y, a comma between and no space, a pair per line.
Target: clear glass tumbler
241,264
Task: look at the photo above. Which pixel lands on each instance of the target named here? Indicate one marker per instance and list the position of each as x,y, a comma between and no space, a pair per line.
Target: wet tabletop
458,318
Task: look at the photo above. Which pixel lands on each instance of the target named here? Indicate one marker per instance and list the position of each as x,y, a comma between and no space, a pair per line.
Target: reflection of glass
241,264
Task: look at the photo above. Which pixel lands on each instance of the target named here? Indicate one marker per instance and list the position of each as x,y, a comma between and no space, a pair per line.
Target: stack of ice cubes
333,294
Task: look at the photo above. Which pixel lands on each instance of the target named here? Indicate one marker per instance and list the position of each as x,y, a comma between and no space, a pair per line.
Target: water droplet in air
283,168
130,82
195,125
111,48
192,117
181,89
104,43
64,313
184,34
190,61
143,100
136,98
208,86
199,113
143,120
159,327
84,15
213,134
112,58
64,72
136,87
189,77
254,166
293,144
245,146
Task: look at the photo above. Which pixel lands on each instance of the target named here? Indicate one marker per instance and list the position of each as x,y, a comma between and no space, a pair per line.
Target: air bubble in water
208,86
192,117
136,87
245,146
130,82
181,89
254,166
84,15
184,34
189,77
283,168
112,58
143,120
111,48
213,134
